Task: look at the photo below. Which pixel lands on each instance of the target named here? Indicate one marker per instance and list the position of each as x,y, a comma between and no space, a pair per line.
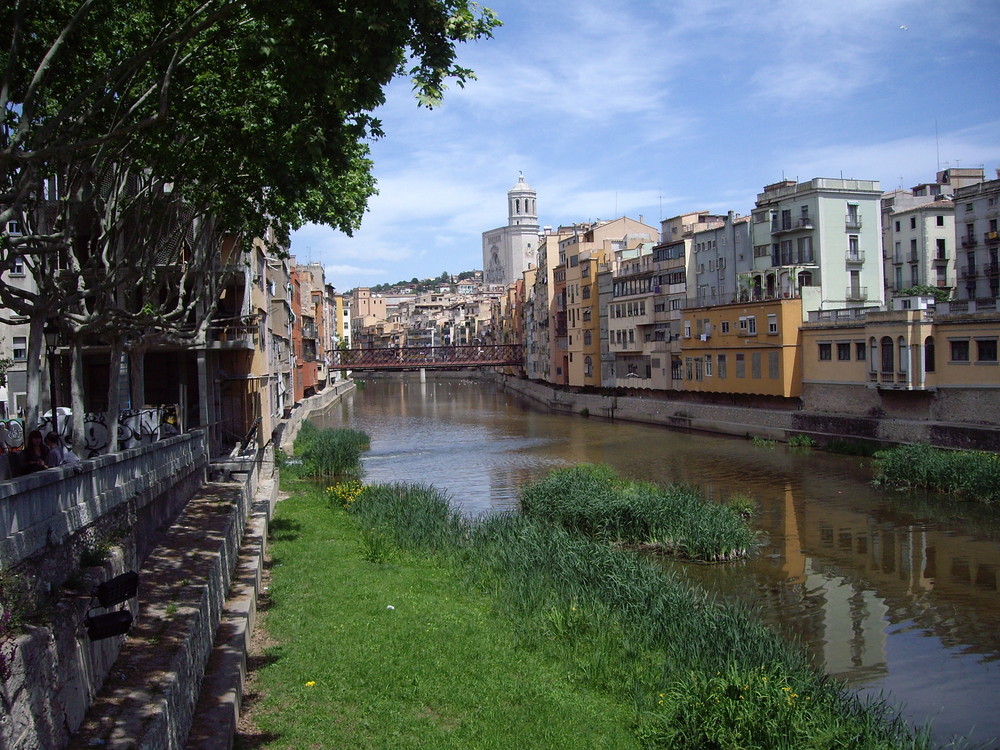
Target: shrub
801,441
972,474
15,605
676,519
330,453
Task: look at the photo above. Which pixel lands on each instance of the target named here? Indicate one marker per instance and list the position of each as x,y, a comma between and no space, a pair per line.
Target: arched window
588,367
887,352
929,354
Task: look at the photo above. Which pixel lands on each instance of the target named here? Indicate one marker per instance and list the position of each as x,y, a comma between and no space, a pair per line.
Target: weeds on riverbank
972,474
674,520
329,453
696,672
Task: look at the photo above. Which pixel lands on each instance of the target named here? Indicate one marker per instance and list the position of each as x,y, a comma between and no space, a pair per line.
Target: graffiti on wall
135,427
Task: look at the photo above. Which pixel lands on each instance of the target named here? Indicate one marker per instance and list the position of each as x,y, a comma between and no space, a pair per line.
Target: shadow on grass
283,530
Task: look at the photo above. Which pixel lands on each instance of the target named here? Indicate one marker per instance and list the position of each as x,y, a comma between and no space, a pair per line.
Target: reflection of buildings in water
865,572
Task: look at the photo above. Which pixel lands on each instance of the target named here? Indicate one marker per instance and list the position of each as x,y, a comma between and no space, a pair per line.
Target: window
13,227
914,274
843,352
825,352
859,351
688,368
751,325
959,351
687,329
853,251
940,221
913,222
708,365
20,345
755,365
586,292
588,367
773,366
725,326
741,366
928,354
587,338
18,268
942,251
986,350
897,226
772,324
722,365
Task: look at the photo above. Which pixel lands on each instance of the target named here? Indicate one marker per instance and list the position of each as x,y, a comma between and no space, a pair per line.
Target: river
896,593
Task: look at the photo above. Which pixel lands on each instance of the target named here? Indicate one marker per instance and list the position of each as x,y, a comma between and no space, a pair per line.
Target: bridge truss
429,357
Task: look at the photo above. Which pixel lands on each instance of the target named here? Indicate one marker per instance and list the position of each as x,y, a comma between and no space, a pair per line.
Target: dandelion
310,683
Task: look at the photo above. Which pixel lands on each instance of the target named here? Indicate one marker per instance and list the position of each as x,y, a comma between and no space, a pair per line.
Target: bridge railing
412,357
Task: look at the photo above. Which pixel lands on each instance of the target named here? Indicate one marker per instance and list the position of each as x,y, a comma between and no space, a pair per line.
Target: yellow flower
310,683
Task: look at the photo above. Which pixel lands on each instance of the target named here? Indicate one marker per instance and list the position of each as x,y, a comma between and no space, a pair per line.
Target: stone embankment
767,420
177,679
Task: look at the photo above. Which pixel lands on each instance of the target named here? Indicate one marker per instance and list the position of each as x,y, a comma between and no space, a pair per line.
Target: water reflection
887,591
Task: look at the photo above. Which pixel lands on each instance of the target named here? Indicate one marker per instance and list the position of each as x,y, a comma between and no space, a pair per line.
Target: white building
509,251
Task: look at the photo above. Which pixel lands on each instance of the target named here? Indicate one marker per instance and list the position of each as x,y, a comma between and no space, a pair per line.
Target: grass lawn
438,670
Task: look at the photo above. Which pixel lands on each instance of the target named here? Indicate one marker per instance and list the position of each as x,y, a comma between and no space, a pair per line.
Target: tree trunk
78,434
137,376
114,404
36,340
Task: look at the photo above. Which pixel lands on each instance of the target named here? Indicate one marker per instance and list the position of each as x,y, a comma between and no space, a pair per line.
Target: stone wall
860,422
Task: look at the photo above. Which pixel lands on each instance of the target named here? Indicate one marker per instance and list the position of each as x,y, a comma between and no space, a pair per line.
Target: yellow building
914,361
745,348
582,254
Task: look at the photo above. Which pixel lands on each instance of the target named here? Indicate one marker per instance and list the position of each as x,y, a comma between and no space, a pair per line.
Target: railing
431,357
856,293
992,238
969,242
852,222
836,316
855,256
967,272
991,269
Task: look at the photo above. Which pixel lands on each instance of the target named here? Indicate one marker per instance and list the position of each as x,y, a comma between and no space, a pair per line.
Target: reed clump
675,520
972,474
326,453
698,672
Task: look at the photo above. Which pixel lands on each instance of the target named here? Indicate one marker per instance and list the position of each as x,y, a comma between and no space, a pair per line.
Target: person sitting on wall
36,453
60,454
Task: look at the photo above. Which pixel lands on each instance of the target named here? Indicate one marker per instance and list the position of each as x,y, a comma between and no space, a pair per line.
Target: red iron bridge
428,357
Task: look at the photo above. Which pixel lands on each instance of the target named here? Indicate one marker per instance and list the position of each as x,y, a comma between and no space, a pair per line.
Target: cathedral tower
509,250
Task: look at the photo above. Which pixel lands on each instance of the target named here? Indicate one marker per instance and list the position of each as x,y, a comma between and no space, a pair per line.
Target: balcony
968,272
969,242
803,222
940,258
992,269
856,294
992,238
852,222
855,257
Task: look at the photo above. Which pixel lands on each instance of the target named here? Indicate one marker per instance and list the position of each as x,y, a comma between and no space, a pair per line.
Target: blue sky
658,108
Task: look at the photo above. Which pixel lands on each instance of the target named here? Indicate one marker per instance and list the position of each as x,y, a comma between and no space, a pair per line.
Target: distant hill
426,285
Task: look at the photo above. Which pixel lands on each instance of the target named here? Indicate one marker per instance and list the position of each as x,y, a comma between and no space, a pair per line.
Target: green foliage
801,441
925,290
94,554
329,453
760,442
675,520
15,605
971,474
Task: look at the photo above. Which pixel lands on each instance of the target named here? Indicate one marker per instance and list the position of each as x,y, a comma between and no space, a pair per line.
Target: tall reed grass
328,453
972,474
675,520
700,673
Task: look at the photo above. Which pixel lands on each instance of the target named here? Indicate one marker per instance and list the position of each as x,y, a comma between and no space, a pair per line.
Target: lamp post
51,341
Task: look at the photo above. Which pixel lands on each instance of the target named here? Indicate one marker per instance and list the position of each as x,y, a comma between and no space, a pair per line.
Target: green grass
440,670
971,474
515,632
676,520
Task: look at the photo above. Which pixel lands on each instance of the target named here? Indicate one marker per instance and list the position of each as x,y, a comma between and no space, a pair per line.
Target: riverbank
398,625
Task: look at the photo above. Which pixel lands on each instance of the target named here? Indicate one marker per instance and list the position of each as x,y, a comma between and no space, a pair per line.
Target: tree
136,136
925,290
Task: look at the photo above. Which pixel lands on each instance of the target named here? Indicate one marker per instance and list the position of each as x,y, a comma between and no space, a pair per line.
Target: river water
896,593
